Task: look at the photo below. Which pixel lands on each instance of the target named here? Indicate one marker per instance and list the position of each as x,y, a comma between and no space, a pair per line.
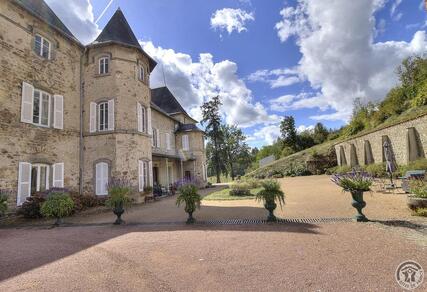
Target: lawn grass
224,195
223,178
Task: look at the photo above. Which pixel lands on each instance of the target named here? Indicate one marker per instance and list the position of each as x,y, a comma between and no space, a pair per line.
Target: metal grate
279,221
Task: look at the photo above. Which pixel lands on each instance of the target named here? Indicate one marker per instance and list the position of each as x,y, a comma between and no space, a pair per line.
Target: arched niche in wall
343,160
354,161
367,149
414,147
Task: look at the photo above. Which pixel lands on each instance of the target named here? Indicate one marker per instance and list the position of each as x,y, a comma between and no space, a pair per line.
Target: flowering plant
353,181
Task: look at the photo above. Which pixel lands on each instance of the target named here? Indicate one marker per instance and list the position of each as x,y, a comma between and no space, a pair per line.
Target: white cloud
339,57
193,82
393,10
303,128
230,19
78,16
276,78
265,135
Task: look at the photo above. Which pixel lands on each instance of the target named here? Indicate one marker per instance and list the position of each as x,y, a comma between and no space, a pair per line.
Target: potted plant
118,197
3,202
356,182
188,195
270,194
418,197
57,205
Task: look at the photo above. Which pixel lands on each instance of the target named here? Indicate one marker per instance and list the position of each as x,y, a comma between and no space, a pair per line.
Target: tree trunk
231,170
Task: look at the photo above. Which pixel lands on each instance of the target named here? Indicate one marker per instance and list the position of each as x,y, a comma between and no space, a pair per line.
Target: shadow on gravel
30,247
402,223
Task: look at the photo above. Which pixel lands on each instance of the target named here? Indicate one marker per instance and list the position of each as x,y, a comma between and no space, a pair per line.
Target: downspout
81,144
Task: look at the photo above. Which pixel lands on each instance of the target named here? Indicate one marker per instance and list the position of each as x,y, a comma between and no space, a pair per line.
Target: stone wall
24,142
408,142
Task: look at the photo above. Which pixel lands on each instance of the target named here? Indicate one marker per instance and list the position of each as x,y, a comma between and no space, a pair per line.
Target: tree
320,134
289,132
234,147
212,120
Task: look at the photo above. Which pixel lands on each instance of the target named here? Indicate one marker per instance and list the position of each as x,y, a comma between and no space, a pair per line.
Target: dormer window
103,65
42,47
141,73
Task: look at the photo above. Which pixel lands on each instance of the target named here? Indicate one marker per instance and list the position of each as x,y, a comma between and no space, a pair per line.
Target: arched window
142,118
141,73
103,65
101,179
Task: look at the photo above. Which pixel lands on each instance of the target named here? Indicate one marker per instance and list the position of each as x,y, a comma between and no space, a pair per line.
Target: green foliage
57,205
286,151
83,202
420,164
355,181
189,196
274,149
235,150
240,189
30,209
288,132
419,188
118,193
320,134
271,192
376,170
421,97
421,212
3,203
252,183
343,169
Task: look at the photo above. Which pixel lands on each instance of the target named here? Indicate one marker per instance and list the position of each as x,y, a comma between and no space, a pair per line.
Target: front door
155,175
187,175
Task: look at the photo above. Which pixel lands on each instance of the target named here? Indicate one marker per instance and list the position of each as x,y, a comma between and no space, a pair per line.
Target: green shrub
419,188
57,205
240,189
420,164
30,209
253,183
343,169
421,212
376,170
355,181
3,202
83,202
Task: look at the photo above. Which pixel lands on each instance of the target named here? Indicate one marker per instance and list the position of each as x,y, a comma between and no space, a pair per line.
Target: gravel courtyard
346,256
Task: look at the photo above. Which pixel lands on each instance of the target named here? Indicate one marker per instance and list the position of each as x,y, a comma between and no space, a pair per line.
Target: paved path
285,257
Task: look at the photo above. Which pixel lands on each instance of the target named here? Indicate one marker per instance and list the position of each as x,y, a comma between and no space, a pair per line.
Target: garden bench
409,175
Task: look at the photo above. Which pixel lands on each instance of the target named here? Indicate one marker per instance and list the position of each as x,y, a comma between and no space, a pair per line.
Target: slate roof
164,99
188,128
118,31
41,10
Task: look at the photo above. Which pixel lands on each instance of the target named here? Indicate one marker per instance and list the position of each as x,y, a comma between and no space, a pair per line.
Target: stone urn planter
271,206
118,210
358,203
414,202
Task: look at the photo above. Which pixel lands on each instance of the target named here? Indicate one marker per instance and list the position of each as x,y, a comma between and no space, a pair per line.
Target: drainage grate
279,221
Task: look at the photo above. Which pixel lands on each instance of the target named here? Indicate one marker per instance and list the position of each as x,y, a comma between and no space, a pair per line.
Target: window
185,143
103,116
42,46
168,141
39,178
143,175
141,73
156,138
41,108
101,177
142,118
103,65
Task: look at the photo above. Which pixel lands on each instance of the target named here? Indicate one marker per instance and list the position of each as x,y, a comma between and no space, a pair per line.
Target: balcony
173,153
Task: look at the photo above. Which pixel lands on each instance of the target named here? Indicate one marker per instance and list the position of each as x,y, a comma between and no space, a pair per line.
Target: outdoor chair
410,175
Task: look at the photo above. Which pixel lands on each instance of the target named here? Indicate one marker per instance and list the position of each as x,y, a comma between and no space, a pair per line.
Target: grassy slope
299,158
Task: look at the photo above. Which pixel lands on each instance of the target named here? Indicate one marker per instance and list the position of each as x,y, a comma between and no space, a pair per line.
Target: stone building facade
73,116
407,140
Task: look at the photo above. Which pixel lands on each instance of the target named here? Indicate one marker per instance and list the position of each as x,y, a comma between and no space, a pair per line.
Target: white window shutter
24,182
150,172
168,141
141,175
158,138
58,175
27,103
58,111
101,179
185,145
92,117
111,114
139,113
149,129
98,174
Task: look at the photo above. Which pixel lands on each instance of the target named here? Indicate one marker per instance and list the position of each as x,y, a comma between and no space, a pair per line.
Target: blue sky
267,59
